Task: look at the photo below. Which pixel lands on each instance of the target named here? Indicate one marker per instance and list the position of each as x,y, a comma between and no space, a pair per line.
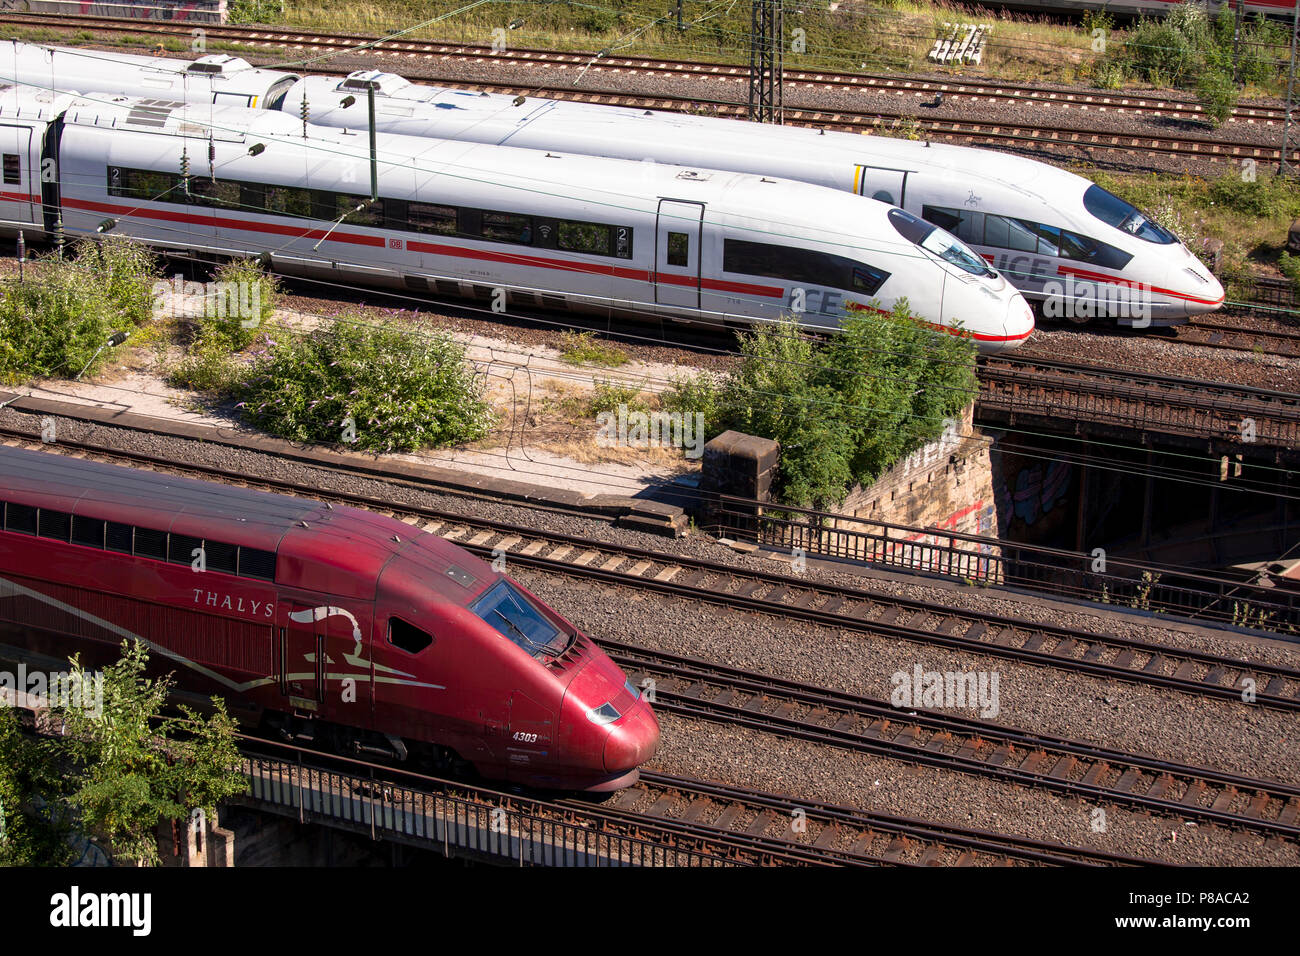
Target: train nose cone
1017,326
632,741
1202,296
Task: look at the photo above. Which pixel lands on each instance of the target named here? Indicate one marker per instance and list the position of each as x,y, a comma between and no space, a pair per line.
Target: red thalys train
327,622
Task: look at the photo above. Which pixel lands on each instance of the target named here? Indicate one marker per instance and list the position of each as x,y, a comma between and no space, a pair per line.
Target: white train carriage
551,230
1064,241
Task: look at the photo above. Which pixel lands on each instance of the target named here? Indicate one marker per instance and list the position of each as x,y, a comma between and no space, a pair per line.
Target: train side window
1085,249
55,524
151,544
88,531
507,227
257,564
120,538
13,169
997,231
287,201
147,184
1049,238
222,194
20,519
589,237
407,637
181,548
679,249
346,207
868,280
1022,236
221,557
431,218
942,217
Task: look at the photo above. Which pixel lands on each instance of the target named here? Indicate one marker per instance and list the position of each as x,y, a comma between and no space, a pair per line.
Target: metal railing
503,829
979,559
1015,389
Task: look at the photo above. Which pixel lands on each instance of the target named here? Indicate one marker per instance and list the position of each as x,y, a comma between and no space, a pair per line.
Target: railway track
1221,335
1201,674
1016,389
699,689
403,52
844,835
1153,103
717,824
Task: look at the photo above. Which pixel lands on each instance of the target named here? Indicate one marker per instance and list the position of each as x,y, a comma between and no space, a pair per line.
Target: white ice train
1064,241
551,230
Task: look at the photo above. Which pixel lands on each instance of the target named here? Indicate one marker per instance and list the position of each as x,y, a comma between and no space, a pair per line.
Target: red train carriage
321,620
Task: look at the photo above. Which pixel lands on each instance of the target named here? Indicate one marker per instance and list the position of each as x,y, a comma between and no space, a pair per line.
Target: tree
844,408
132,767
33,828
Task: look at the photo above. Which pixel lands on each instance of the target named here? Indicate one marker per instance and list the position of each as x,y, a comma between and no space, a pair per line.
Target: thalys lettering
232,602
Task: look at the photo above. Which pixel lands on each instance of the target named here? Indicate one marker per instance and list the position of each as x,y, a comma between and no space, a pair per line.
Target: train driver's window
407,637
679,249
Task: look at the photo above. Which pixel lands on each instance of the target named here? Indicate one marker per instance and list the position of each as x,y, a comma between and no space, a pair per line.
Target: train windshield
515,617
1114,211
943,244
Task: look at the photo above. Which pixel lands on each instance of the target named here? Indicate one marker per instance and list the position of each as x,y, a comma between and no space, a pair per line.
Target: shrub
607,396
57,323
581,348
257,289
209,366
701,393
845,408
1217,94
400,387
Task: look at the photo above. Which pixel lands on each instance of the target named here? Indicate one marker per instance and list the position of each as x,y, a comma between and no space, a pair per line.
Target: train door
530,722
880,182
302,657
677,253
16,192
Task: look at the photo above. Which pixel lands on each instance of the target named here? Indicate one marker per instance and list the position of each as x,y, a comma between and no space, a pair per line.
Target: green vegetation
228,324
33,832
845,408
1290,267
56,320
607,396
1251,216
1189,49
113,775
582,348
376,386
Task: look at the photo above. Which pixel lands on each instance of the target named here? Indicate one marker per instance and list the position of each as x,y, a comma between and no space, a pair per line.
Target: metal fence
509,832
978,559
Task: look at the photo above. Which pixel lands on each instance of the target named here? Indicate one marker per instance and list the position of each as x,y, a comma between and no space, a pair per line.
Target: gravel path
1232,737
807,771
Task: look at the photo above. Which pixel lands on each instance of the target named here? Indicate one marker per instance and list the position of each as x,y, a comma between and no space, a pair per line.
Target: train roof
341,551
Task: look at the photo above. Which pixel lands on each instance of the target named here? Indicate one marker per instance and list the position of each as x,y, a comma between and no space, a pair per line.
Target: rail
982,560
505,832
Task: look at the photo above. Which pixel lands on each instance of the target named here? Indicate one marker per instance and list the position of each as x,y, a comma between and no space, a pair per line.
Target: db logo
394,243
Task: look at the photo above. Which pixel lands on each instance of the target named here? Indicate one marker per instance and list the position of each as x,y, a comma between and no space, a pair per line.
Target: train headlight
604,714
